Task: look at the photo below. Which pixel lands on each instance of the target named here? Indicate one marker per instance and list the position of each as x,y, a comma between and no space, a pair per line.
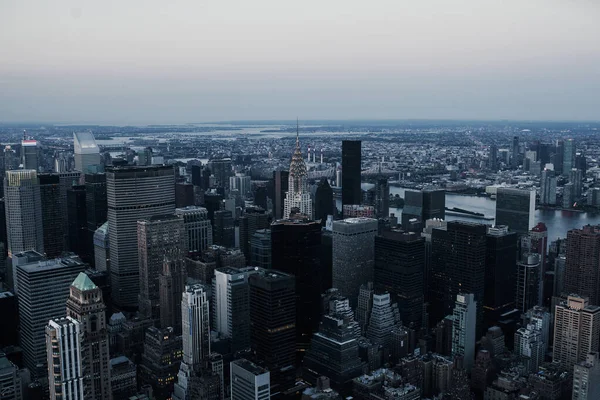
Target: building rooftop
45,265
85,143
249,366
83,282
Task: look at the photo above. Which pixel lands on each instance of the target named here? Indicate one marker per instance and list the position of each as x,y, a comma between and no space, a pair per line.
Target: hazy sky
177,61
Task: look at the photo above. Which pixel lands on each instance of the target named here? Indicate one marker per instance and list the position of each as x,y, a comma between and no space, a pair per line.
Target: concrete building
463,329
353,255
123,378
530,346
133,193
582,275
515,208
102,248
548,188
576,331
249,381
197,227
66,377
10,380
528,282
586,378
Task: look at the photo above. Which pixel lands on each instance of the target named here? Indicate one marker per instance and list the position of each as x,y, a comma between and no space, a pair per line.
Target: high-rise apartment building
530,346
296,250
66,376
569,153
420,206
528,282
198,229
249,381
134,193
500,273
273,325
43,292
23,208
297,198
582,275
86,305
161,238
231,305
576,331
87,152
515,208
353,255
351,167
493,158
400,269
586,378
548,187
463,329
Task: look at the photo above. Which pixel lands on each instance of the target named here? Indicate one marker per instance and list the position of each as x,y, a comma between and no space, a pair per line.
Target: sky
181,61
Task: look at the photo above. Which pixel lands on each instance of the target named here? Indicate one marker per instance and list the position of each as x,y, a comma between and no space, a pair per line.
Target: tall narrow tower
297,198
86,306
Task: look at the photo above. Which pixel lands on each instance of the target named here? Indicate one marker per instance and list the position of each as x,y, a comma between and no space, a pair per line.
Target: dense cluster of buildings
126,278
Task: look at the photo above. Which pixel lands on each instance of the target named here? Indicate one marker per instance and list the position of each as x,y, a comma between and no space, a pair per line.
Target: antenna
297,131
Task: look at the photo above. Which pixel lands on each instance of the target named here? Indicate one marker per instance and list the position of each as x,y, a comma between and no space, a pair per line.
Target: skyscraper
77,222
323,201
500,273
23,209
351,167
514,156
160,361
530,346
528,282
353,255
382,198
102,248
197,226
231,305
515,208
273,325
296,250
224,229
457,265
160,238
221,169
399,270
95,204
463,330
493,158
297,198
134,193
280,188
171,284
582,275
29,154
422,206
586,378
576,331
253,219
10,380
382,320
548,187
85,305
249,381
569,152
87,152
260,249
65,362
43,292
52,215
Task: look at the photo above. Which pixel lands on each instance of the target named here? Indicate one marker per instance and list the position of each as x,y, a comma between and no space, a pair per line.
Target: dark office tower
296,250
52,214
582,275
514,156
29,154
171,284
280,187
528,282
3,233
160,361
160,239
260,196
213,202
221,170
421,206
457,265
260,249
95,204
197,175
254,218
67,181
199,232
493,158
569,153
323,201
77,222
134,193
515,208
85,305
273,325
353,255
500,273
206,173
382,198
184,194
399,270
223,229
557,158
581,163
351,162
23,210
